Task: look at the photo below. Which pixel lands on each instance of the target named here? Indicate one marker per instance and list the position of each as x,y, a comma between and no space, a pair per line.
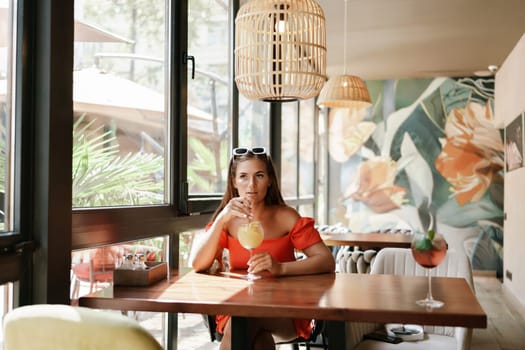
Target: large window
119,92
218,118
7,49
254,124
208,105
125,172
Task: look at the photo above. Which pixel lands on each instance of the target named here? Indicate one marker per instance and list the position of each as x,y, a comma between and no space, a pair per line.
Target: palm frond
102,177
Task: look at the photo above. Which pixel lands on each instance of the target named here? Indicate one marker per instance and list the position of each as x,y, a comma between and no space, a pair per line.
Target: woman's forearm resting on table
319,260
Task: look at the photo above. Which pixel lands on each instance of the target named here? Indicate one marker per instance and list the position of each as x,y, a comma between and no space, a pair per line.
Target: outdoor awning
84,32
108,95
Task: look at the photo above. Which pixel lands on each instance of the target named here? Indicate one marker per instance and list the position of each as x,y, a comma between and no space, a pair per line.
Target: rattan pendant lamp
344,91
280,50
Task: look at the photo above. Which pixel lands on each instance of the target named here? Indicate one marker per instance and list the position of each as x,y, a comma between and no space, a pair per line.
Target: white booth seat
350,260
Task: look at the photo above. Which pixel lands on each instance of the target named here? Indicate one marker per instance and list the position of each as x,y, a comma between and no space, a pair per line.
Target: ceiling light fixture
280,50
493,68
344,91
489,72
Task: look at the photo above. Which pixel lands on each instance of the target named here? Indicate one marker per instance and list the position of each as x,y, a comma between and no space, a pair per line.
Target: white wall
509,103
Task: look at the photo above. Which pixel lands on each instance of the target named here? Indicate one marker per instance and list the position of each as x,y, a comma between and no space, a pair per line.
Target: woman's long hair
273,193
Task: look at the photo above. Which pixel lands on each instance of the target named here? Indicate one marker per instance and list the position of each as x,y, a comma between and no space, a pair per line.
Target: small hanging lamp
280,50
344,91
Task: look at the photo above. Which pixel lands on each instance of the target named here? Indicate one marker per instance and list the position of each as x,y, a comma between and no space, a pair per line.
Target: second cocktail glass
429,249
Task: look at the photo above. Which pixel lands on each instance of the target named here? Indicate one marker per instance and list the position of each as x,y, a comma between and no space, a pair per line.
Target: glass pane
7,53
92,269
306,147
307,210
186,246
322,170
119,91
209,121
188,243
290,140
100,262
254,123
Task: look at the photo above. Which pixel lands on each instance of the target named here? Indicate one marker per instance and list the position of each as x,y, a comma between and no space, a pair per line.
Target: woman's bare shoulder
286,215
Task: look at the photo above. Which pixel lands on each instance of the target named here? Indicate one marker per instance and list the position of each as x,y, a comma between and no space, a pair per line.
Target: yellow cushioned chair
65,327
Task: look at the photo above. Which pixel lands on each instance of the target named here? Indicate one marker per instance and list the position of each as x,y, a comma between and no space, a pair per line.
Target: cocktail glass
251,236
429,249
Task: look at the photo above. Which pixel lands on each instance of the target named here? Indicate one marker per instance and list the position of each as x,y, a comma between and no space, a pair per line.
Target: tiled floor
506,318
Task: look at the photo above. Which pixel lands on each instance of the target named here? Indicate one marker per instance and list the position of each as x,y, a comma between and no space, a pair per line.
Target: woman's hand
240,207
319,259
264,261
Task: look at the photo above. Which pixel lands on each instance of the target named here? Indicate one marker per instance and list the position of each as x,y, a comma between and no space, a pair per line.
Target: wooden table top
368,240
335,296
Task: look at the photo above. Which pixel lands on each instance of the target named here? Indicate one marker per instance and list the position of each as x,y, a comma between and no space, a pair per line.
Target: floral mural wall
425,155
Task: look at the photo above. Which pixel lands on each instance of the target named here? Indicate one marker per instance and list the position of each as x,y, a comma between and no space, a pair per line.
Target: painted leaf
418,172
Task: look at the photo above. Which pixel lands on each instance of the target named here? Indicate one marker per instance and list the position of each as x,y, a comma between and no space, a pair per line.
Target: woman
253,193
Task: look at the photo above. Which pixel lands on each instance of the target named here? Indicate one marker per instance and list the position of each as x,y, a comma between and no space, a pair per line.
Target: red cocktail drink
429,249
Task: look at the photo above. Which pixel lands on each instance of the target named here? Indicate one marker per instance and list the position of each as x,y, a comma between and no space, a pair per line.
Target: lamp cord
345,34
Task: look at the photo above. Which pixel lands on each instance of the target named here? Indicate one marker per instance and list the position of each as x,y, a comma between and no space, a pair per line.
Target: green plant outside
103,177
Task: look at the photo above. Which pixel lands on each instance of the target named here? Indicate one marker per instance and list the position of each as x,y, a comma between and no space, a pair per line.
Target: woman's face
251,179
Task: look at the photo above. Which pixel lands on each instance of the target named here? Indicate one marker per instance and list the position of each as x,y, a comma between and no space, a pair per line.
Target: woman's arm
208,248
319,260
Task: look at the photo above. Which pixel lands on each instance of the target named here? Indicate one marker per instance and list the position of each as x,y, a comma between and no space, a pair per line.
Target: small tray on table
154,272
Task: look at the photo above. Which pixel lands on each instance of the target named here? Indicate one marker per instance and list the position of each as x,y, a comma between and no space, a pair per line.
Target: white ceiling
421,38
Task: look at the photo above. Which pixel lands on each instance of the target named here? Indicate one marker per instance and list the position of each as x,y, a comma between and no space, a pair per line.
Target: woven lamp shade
280,50
344,91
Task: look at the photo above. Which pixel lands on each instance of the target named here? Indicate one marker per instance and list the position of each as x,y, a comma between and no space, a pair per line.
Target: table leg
239,332
336,334
172,326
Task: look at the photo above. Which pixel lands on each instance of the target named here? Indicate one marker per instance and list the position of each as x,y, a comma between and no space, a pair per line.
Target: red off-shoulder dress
282,249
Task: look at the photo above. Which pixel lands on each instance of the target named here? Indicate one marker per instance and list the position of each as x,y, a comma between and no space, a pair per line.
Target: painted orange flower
472,152
374,185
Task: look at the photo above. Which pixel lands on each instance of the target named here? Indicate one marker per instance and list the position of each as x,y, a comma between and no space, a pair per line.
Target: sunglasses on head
241,151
